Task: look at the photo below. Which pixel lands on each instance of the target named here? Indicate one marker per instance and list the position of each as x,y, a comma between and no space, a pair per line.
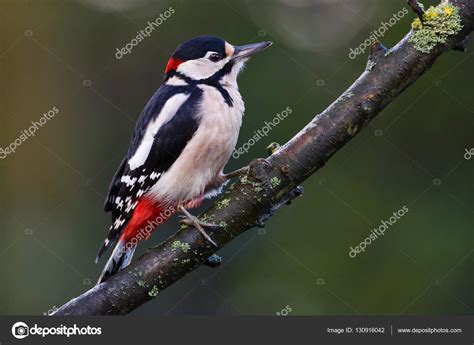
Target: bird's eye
214,57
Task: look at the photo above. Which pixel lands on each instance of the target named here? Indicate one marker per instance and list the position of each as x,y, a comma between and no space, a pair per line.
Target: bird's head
207,56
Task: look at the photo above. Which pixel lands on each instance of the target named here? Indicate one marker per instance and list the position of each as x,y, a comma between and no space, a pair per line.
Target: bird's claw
190,220
237,173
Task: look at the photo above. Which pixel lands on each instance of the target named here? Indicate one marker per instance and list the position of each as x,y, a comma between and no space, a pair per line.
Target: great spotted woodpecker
182,140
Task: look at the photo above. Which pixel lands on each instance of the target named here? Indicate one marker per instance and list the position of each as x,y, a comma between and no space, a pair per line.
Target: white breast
199,167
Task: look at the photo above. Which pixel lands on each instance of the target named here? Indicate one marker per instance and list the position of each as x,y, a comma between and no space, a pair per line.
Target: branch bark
274,181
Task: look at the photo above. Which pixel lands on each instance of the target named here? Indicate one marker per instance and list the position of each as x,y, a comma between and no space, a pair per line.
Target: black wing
129,185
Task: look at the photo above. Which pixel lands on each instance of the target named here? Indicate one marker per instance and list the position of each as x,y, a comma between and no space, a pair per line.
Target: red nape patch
172,65
147,216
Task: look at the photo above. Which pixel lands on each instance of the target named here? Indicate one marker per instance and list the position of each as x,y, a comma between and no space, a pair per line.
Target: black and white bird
182,140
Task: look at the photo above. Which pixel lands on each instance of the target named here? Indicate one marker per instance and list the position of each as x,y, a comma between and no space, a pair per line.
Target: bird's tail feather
120,258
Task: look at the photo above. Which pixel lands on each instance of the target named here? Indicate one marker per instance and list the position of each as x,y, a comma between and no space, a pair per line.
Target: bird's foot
193,220
190,220
237,173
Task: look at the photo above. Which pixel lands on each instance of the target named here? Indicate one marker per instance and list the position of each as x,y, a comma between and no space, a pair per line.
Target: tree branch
274,181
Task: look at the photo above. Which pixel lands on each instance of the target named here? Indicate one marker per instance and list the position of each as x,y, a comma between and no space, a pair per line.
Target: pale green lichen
206,218
275,181
257,189
223,203
222,224
273,147
180,245
244,179
154,291
438,24
141,283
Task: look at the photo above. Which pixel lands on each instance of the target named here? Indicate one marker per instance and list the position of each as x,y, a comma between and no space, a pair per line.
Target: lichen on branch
435,26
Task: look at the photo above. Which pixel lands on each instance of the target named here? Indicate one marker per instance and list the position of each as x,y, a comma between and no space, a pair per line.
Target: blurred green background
62,54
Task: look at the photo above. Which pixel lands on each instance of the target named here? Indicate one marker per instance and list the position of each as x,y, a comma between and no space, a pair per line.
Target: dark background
62,54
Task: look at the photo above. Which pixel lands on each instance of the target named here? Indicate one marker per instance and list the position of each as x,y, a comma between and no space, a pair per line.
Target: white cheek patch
198,69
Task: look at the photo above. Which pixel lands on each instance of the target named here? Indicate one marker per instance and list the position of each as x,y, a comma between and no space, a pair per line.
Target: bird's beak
242,52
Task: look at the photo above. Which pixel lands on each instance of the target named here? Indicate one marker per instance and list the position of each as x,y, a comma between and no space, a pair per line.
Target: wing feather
129,185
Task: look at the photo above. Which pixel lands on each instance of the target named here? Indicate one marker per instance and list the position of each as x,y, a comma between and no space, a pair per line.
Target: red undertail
147,216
